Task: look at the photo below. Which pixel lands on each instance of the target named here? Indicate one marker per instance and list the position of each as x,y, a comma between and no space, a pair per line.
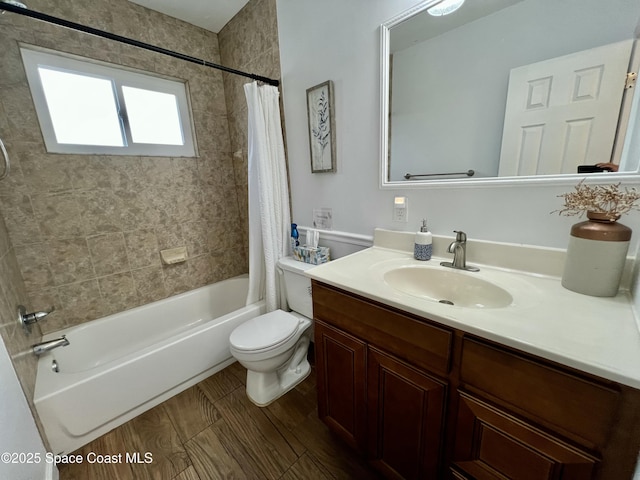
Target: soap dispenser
423,246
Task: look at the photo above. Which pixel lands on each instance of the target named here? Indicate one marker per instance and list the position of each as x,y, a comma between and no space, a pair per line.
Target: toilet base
265,388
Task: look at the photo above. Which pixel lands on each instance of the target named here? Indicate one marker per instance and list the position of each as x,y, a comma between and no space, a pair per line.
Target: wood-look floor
213,431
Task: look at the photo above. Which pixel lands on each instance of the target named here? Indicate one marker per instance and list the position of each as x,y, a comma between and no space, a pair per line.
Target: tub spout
44,347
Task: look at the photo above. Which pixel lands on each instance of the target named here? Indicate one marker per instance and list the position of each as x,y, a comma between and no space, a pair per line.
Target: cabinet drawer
491,444
581,409
410,338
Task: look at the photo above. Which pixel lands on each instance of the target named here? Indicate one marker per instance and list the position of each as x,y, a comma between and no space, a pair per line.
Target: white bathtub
119,366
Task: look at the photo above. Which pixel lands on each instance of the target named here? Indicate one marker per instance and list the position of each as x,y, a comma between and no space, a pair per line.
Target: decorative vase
596,255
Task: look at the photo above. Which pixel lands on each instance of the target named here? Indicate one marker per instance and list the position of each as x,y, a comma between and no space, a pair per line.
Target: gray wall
350,56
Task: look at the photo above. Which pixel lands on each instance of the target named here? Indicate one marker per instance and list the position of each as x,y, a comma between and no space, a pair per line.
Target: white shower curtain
269,217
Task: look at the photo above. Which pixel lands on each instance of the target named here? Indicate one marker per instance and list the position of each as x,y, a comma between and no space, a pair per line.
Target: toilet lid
265,331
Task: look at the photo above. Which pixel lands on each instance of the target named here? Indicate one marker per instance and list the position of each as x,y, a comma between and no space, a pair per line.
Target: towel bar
409,176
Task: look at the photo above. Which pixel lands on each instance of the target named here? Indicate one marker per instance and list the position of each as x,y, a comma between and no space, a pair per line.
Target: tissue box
314,256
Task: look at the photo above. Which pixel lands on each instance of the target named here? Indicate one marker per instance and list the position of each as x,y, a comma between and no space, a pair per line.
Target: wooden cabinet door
491,444
405,410
340,371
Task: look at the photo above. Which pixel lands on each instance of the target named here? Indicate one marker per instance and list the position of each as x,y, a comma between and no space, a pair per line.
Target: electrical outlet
401,209
399,215
323,218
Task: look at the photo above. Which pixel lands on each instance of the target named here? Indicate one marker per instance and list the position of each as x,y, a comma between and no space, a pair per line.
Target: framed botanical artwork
322,137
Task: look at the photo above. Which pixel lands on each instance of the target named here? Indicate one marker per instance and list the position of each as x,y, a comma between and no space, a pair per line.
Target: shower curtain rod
11,7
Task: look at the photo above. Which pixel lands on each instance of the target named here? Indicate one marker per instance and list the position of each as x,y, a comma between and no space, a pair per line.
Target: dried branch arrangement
610,200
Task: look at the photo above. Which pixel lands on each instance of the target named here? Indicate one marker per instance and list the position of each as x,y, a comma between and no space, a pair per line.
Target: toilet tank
297,286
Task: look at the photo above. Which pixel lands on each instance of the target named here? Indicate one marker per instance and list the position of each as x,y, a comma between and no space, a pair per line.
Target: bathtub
119,366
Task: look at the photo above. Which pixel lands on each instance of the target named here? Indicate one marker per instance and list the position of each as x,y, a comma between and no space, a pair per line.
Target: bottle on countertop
423,246
294,236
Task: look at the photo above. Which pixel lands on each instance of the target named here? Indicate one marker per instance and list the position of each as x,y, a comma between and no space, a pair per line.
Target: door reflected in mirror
510,89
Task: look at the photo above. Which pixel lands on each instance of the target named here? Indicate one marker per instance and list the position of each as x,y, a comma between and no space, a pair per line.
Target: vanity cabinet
389,411
422,400
381,386
341,381
380,405
405,417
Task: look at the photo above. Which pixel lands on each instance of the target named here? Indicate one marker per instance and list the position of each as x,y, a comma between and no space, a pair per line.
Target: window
92,108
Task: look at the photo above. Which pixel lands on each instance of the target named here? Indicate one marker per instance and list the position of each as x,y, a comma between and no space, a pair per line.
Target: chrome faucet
44,347
27,319
459,250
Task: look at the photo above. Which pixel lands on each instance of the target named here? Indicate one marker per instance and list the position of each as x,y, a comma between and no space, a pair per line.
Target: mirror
501,88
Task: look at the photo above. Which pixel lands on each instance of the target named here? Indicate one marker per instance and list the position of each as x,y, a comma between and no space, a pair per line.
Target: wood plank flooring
212,431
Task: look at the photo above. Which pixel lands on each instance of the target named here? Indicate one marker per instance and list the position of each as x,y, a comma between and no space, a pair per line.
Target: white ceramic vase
596,256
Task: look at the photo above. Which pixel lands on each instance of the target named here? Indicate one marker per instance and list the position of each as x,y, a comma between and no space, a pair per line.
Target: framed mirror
510,90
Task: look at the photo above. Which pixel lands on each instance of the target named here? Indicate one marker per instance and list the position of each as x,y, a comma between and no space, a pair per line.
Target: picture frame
322,137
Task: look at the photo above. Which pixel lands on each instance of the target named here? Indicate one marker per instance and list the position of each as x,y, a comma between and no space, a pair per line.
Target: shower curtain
269,217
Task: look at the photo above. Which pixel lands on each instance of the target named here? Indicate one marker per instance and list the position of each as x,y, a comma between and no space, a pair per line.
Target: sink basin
448,286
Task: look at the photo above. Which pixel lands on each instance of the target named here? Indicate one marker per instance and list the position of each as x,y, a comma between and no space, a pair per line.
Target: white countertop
593,334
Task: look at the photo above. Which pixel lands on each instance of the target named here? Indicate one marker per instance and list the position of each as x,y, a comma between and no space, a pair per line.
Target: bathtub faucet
44,347
33,317
27,319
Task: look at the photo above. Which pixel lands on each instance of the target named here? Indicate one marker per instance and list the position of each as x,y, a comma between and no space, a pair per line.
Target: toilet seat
265,332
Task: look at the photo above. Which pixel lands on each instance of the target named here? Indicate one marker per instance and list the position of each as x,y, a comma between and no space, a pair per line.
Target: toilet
273,347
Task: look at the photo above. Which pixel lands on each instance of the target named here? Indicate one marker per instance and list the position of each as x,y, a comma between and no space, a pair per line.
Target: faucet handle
460,236
43,314
35,316
26,319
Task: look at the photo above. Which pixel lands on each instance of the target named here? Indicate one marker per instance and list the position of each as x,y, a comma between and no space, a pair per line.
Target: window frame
119,76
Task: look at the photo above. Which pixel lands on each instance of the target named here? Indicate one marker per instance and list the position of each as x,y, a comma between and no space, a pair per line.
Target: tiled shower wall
249,42
12,294
87,229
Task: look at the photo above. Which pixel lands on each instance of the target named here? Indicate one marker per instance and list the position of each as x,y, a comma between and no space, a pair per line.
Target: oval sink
450,287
